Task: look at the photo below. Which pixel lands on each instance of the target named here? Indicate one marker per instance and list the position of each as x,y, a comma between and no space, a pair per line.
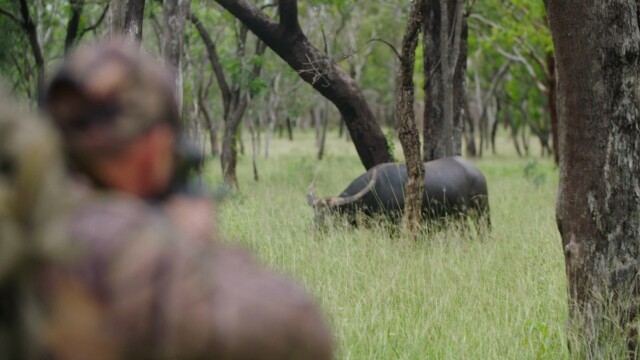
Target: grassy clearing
453,295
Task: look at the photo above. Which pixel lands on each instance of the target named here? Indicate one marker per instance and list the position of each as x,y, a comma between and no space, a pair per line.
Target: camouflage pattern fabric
154,293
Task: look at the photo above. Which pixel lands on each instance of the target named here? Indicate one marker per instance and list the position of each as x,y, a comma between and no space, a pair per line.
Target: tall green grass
454,294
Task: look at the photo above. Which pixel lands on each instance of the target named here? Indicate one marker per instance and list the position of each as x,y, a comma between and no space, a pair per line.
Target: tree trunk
254,151
176,13
433,130
229,156
553,112
73,25
235,98
460,89
289,128
212,128
598,70
494,126
469,132
325,126
127,17
327,77
445,56
407,129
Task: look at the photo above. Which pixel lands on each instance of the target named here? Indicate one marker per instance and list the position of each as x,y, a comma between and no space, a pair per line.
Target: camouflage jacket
136,288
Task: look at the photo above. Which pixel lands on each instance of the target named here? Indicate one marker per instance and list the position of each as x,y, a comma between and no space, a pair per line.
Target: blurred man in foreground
145,277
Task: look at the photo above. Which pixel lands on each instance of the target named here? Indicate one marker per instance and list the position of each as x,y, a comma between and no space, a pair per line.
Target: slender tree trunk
494,126
176,13
325,126
327,77
289,128
407,129
73,25
469,131
598,212
254,151
212,128
229,156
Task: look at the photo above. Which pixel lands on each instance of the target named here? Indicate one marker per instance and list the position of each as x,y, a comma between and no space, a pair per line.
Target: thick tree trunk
598,70
176,13
445,56
127,18
433,130
407,129
289,42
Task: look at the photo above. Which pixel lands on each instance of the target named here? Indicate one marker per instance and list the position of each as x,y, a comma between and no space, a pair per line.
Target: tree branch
353,52
96,24
215,62
11,16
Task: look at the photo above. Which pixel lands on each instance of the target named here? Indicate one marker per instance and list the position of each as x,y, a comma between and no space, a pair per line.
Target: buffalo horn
339,201
311,199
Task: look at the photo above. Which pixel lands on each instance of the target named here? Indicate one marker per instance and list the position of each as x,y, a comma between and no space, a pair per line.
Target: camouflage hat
107,94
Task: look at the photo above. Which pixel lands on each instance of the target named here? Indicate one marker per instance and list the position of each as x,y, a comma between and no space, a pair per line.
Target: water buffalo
454,187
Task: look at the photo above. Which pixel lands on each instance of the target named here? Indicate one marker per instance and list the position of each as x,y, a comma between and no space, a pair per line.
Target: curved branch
96,24
381,40
11,16
313,65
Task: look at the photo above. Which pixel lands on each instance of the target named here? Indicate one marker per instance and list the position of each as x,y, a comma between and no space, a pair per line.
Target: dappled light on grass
455,293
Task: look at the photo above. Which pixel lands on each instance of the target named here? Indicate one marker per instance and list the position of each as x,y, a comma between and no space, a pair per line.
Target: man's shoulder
108,220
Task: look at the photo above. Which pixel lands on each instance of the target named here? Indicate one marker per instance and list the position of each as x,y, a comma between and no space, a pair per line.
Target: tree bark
598,70
407,129
553,108
288,41
445,56
469,131
127,18
175,16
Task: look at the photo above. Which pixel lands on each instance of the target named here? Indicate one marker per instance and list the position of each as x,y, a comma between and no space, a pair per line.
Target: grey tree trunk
407,129
176,13
127,18
598,71
445,56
